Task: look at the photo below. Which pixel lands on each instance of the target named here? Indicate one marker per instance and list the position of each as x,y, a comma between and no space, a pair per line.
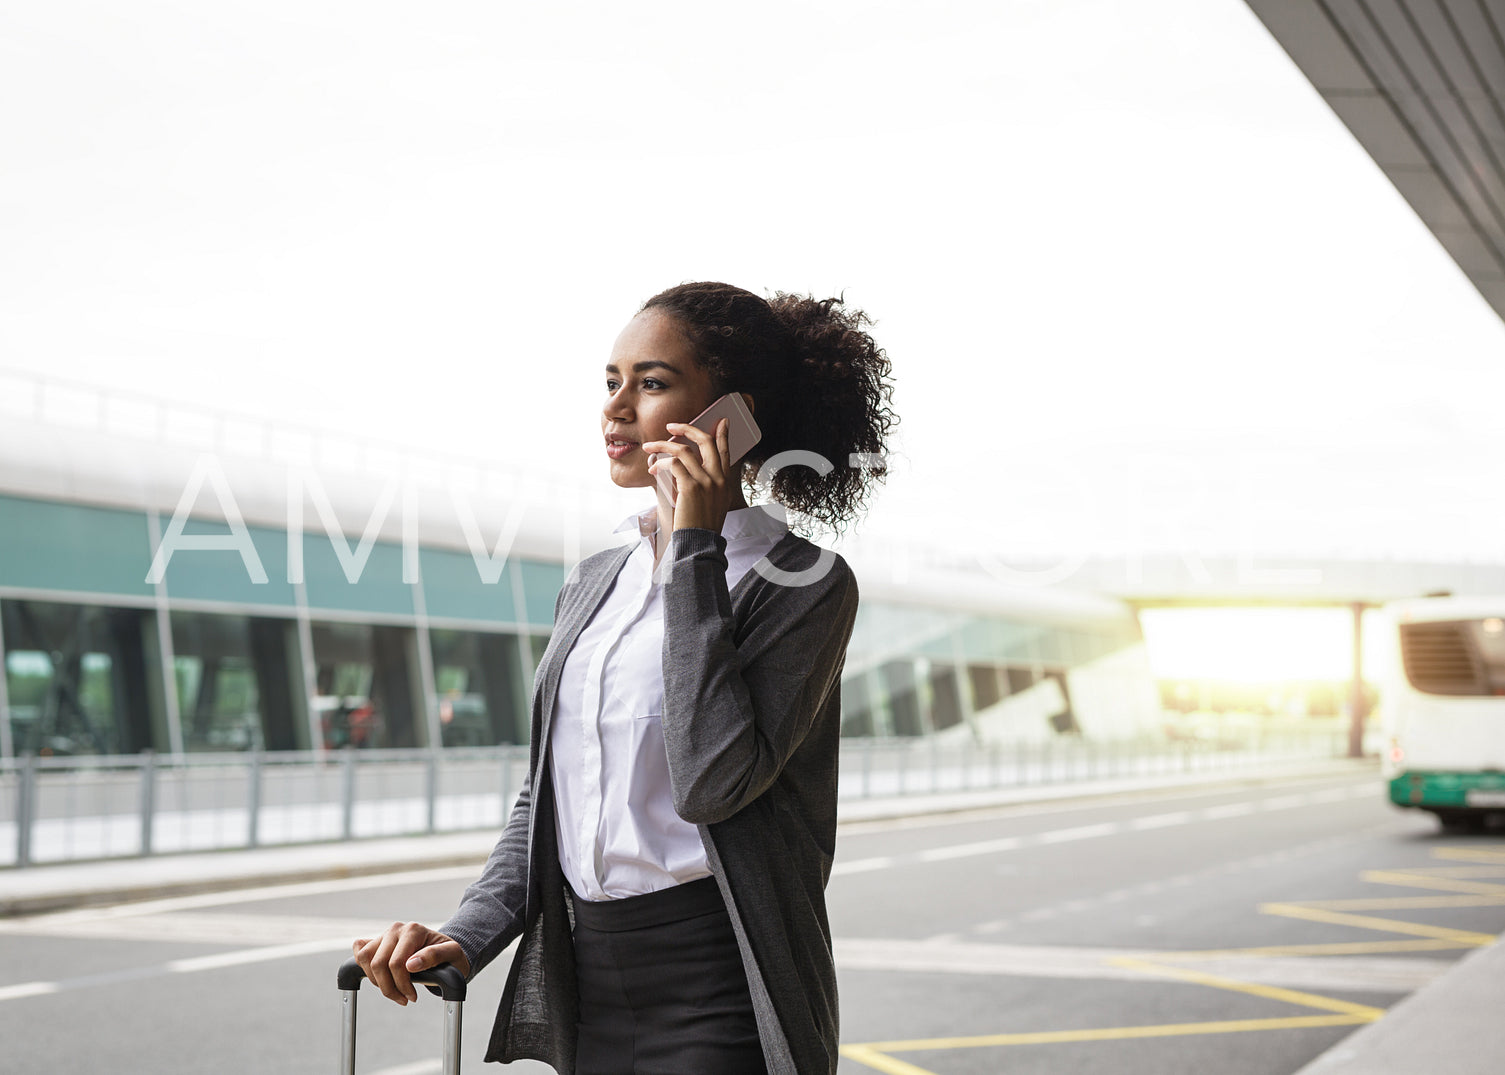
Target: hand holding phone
742,434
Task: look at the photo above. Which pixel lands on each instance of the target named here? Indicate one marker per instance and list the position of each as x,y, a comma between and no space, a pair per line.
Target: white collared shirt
617,830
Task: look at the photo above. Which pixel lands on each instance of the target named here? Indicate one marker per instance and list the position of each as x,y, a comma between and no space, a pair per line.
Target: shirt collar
741,523
644,522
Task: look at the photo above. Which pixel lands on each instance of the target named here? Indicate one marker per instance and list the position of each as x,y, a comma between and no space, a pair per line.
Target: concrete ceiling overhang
1421,84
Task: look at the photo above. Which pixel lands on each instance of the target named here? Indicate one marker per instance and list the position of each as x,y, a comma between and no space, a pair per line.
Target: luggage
446,982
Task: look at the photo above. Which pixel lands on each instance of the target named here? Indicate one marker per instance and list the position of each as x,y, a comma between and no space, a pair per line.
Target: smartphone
742,433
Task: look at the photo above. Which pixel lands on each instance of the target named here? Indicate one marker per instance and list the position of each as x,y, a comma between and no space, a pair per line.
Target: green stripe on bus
1442,789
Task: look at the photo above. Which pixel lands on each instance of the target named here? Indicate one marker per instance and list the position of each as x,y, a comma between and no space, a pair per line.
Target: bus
1444,709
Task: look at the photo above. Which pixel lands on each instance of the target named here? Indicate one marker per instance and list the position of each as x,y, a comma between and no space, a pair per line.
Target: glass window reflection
82,679
239,681
482,687
366,691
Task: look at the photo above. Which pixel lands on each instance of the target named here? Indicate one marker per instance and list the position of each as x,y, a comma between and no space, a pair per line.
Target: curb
67,886
1451,1024
19,906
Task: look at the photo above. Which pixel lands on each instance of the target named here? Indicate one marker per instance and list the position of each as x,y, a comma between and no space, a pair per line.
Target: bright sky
1140,286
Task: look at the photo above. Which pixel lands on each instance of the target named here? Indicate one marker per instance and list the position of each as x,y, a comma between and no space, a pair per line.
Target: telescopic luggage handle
445,982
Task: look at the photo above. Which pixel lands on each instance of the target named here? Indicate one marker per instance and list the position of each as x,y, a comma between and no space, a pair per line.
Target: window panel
945,697
82,679
903,697
366,691
988,684
482,686
239,681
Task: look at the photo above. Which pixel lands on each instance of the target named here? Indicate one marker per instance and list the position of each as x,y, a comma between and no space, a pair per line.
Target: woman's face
652,379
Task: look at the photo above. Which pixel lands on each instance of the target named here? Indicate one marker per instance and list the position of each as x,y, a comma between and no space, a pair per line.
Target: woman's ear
749,401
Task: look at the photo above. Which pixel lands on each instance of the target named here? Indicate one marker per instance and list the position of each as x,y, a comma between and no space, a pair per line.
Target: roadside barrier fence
58,809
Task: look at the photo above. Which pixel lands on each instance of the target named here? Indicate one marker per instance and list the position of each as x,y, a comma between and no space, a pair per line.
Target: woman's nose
617,405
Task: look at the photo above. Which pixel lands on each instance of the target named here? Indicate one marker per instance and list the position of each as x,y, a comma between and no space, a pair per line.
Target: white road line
882,862
1083,832
1089,832
973,815
990,959
1161,821
418,1067
1359,973
1284,802
179,966
258,955
981,847
1215,813
27,989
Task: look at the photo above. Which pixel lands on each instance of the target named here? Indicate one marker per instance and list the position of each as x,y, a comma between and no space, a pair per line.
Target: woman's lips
617,451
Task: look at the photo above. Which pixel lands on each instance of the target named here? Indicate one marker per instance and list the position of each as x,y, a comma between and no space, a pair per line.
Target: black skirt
662,988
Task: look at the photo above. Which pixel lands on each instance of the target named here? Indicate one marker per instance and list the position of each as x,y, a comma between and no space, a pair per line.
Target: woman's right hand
406,948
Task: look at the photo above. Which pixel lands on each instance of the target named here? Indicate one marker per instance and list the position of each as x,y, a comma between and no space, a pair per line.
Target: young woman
664,868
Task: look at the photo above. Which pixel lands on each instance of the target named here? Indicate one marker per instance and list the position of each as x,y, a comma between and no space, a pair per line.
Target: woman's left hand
701,472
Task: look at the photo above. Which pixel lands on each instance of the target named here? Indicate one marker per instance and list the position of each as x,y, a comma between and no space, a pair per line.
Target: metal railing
63,809
876,768
78,808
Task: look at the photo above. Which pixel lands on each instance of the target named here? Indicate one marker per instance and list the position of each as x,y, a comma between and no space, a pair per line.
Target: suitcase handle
443,981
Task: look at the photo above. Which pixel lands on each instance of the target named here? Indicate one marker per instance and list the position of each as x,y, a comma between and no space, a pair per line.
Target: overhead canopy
1421,84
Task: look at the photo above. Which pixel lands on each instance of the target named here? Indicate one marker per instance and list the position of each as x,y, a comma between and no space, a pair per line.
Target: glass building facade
918,671
98,660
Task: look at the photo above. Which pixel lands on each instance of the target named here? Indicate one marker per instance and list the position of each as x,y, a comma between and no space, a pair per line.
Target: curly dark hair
818,381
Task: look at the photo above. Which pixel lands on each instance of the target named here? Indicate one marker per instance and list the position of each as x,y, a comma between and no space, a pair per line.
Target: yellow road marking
1451,870
1471,854
890,1065
1442,884
1345,948
1465,882
1270,992
1384,925
1405,903
1112,1033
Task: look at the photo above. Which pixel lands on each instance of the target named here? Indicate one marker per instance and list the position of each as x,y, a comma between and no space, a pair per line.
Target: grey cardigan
752,715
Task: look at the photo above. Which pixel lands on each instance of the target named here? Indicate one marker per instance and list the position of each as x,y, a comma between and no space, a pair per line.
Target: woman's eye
648,382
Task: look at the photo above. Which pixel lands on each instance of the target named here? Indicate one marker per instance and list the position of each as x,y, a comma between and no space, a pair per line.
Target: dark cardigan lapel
581,608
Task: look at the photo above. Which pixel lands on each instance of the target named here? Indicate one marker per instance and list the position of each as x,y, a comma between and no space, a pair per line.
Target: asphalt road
1241,931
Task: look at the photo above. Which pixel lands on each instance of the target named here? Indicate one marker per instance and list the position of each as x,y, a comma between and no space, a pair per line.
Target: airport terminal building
186,583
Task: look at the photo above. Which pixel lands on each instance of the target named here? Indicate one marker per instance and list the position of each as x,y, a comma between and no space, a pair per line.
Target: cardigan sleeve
739,697
490,915
492,910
